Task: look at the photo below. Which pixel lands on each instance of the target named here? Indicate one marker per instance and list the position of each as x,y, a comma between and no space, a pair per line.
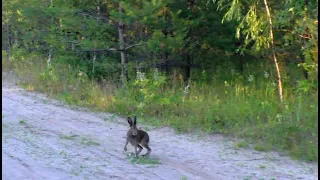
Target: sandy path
44,139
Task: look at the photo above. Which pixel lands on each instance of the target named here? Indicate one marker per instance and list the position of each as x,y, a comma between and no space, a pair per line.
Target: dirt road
44,139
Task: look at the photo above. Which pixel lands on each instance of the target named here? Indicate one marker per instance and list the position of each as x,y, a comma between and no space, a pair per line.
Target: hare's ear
135,120
129,121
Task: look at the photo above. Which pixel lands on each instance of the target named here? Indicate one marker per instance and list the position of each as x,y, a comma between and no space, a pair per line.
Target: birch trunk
280,89
122,49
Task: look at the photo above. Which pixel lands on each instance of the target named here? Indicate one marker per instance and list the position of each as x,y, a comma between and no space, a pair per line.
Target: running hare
137,138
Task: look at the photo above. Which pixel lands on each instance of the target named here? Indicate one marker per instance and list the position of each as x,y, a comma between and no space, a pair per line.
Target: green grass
262,147
112,118
184,178
242,144
69,137
262,166
7,64
22,122
83,140
141,160
89,142
235,107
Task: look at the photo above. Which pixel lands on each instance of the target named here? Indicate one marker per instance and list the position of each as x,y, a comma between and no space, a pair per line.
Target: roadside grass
235,107
241,144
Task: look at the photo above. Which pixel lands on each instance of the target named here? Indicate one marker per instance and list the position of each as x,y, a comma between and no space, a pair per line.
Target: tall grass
241,106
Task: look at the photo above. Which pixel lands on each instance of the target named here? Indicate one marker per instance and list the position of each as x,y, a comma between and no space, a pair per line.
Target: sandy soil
44,139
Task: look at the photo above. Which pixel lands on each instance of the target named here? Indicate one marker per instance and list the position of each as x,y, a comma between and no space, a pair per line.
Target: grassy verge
240,107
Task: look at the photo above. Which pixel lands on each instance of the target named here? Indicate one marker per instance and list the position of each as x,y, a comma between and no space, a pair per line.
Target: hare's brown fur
137,138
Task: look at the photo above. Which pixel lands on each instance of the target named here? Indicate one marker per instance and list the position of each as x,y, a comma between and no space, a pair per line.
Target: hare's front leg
135,149
125,146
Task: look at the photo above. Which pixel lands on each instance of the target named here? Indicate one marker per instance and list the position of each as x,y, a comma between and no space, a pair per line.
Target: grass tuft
142,160
22,122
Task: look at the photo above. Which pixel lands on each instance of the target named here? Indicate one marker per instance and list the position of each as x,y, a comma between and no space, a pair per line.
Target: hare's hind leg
140,149
147,147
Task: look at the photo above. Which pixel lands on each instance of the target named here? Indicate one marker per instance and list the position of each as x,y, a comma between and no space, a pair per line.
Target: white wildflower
266,74
250,78
156,74
140,76
232,71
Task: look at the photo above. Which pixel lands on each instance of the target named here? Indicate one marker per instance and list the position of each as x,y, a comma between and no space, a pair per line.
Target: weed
242,144
262,166
22,122
7,64
69,137
184,178
112,118
262,147
89,142
75,173
63,153
142,160
82,140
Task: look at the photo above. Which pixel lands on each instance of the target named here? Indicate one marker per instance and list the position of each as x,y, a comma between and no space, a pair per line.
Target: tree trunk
9,38
238,54
16,41
305,72
49,58
166,53
122,50
274,54
166,59
8,44
241,63
93,62
187,68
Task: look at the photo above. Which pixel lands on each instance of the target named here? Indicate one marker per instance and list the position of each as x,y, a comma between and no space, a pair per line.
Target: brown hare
137,138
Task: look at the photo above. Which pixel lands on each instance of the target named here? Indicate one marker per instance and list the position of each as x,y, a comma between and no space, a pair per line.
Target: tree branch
99,50
133,45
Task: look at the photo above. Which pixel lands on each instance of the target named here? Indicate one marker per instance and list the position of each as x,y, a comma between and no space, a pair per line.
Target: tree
252,24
